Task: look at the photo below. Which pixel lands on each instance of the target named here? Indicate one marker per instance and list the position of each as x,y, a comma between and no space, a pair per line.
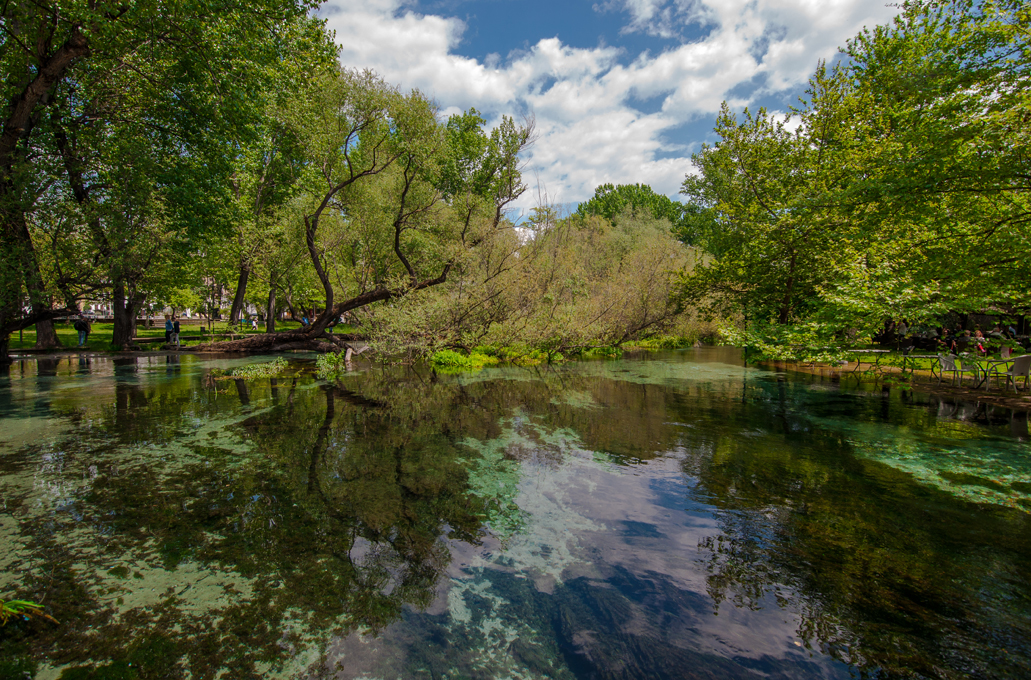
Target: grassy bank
490,355
100,337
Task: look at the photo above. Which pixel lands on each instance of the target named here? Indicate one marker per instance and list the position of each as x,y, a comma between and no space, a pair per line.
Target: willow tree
393,199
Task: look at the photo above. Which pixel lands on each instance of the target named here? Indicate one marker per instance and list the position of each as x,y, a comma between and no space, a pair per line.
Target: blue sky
622,91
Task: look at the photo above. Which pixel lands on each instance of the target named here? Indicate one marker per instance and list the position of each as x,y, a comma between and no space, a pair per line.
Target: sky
621,91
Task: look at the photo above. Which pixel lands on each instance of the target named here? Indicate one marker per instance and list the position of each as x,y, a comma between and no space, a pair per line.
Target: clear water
673,515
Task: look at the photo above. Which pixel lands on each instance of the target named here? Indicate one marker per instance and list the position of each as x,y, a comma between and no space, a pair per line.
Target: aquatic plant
331,365
252,371
663,342
26,609
603,352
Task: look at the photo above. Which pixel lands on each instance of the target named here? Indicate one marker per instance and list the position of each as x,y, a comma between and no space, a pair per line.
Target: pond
671,515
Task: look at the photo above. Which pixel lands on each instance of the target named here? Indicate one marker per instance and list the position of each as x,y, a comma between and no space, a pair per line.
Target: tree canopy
897,188
688,221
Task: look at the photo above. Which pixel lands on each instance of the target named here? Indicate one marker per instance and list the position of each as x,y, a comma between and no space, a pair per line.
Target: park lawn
100,337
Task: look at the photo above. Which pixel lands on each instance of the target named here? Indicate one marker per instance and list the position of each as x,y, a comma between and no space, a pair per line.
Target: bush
450,359
606,352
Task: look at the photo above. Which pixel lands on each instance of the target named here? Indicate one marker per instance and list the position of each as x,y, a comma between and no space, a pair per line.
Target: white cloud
589,131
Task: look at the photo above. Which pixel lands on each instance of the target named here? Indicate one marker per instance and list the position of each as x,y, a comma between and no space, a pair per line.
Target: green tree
393,201
84,82
940,186
901,191
779,227
689,222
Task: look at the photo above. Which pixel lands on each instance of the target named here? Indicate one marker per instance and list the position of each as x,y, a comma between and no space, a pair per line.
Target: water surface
673,515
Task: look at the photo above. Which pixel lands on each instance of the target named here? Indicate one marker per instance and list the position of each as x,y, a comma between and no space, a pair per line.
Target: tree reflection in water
895,579
188,525
334,509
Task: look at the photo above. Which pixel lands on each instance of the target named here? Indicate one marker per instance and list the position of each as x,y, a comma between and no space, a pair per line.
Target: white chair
1021,367
948,365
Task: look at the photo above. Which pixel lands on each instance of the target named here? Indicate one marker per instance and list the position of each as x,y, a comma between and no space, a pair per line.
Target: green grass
100,338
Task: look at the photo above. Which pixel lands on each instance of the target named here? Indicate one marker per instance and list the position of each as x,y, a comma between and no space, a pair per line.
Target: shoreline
995,396
923,381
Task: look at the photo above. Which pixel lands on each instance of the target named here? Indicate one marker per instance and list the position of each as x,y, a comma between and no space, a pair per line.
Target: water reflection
673,516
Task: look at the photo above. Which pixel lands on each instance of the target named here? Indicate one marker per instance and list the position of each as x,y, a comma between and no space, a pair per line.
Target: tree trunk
125,318
46,336
281,342
270,315
241,291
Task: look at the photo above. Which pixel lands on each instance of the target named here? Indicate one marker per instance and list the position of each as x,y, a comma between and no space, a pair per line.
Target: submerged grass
24,609
267,369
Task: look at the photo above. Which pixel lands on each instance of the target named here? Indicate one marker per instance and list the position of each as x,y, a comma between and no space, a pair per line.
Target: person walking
175,332
168,328
83,326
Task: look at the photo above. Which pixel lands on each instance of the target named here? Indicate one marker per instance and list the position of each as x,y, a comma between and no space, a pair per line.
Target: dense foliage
897,189
689,222
182,157
189,156
122,123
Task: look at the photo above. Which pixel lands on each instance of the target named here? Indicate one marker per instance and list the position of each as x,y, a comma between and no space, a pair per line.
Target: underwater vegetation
24,609
405,520
251,371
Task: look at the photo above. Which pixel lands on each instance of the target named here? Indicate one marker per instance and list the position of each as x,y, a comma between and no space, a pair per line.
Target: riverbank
919,381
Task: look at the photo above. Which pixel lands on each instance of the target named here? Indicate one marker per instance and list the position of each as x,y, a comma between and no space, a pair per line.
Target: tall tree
901,192
689,222
384,218
186,76
780,228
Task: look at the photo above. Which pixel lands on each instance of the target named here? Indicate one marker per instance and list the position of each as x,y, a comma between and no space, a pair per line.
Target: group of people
943,338
172,330
958,340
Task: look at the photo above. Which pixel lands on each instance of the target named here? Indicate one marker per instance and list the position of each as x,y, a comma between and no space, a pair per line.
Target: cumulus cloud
584,100
660,18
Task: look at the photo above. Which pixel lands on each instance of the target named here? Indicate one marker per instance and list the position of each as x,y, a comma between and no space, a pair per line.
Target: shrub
450,359
606,352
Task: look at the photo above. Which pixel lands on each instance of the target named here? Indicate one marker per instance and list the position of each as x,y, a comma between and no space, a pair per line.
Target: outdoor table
921,356
992,363
859,360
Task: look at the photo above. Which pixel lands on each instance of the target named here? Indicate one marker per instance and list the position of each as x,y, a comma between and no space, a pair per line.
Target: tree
393,200
942,97
901,192
688,221
779,226
80,80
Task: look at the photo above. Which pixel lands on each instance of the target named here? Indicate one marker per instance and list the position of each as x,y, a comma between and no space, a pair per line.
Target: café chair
1021,368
